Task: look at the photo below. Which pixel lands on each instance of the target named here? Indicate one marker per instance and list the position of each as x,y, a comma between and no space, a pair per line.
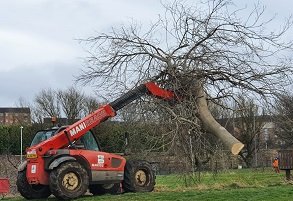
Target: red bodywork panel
4,186
36,173
100,160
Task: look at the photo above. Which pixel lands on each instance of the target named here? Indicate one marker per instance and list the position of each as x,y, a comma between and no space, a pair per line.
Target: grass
246,178
246,184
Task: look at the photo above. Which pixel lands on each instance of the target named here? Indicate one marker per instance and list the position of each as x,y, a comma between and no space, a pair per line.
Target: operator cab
88,141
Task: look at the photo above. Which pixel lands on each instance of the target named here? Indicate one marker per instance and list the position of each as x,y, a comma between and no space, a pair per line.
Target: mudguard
60,160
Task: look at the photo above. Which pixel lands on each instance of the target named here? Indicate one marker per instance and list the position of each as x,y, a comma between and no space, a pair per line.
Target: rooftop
14,110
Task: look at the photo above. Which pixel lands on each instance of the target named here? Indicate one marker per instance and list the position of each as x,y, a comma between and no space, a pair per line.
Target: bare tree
22,102
204,53
71,102
47,104
283,119
248,122
90,104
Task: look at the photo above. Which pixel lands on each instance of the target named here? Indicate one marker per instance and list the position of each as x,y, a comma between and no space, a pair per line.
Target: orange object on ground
276,165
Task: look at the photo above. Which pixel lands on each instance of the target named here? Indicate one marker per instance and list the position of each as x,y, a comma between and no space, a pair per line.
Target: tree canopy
204,52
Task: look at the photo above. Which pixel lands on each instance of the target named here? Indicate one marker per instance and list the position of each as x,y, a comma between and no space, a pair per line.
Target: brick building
15,116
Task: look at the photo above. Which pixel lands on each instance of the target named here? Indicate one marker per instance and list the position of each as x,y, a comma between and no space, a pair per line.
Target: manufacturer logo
91,121
77,129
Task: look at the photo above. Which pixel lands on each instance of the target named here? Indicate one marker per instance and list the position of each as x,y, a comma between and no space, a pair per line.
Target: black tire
138,177
69,180
101,189
29,191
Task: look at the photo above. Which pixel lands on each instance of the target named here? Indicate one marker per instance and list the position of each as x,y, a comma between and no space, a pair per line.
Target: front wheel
138,176
31,191
69,180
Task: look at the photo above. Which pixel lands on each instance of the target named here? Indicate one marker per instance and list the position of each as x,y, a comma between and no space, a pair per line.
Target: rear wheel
100,189
69,180
138,177
29,191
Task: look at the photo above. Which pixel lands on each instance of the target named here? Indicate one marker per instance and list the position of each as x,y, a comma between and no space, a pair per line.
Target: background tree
47,103
248,122
90,104
205,53
71,102
283,119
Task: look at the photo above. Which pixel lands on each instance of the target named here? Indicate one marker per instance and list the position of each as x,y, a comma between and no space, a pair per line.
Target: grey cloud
60,22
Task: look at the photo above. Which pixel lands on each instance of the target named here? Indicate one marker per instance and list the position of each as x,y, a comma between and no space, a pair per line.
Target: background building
15,116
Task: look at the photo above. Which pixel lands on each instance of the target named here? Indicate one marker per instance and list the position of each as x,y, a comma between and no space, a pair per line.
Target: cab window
87,142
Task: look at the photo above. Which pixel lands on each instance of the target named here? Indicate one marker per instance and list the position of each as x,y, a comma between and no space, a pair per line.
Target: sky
39,46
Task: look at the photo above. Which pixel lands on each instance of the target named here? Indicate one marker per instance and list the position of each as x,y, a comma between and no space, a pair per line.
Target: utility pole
255,141
21,144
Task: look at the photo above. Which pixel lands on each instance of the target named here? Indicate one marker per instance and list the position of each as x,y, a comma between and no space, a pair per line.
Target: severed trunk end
229,141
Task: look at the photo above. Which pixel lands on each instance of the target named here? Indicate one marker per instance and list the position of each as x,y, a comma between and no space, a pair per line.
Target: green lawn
247,184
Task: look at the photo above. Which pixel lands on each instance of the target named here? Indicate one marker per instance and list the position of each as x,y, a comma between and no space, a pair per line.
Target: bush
10,139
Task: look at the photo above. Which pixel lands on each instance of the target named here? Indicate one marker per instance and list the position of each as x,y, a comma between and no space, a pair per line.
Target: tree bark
213,126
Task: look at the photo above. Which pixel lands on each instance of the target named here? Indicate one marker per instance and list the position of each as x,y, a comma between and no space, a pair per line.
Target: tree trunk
213,126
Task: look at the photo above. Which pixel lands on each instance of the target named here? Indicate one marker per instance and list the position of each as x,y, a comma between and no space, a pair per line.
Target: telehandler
67,161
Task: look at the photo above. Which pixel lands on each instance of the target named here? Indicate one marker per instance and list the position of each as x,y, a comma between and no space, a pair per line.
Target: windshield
42,136
85,142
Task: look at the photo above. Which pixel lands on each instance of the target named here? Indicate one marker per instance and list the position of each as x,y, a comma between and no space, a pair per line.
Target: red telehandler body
67,161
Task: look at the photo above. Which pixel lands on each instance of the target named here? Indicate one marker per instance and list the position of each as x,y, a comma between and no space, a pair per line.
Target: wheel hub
140,178
70,181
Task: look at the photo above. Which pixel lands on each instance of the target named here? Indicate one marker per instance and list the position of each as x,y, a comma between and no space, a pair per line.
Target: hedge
10,138
109,134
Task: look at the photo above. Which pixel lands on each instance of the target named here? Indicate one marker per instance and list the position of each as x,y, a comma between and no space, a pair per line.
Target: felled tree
204,53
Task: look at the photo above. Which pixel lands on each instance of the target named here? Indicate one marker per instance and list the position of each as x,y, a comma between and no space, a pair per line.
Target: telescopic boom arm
81,127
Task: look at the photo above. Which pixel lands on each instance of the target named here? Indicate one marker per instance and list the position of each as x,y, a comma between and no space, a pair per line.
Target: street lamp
21,144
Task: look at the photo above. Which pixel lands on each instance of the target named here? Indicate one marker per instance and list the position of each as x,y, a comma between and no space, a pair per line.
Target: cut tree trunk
213,126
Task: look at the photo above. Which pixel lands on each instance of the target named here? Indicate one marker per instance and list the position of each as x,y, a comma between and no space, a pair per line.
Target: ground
246,184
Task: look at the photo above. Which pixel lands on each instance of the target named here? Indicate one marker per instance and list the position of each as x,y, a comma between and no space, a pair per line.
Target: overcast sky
38,38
